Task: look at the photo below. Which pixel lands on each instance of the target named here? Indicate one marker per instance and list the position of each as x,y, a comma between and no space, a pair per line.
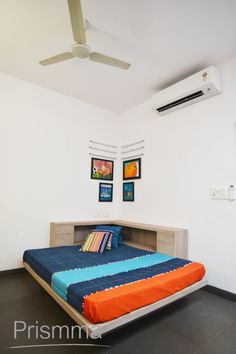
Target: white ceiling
165,40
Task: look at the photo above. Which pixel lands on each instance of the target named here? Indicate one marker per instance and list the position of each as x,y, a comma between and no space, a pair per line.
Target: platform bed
96,330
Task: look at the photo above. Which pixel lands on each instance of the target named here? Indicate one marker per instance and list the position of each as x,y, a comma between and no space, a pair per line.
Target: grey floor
202,323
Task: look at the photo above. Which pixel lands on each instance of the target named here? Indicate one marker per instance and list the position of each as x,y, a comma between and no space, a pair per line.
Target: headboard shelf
172,241
142,246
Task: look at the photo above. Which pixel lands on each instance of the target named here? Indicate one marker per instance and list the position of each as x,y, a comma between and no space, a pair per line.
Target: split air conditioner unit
195,88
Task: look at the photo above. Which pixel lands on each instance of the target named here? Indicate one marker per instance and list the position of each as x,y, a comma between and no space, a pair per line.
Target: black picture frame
125,178
93,173
125,197
102,187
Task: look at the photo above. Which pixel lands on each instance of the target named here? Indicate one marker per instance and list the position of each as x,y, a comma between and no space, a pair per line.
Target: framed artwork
105,192
102,169
128,192
132,169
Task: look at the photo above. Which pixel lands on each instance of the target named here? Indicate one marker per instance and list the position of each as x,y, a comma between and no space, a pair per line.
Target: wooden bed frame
172,240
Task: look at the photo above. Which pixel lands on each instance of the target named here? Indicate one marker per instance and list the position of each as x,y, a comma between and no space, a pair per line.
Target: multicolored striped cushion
109,243
111,228
108,246
96,242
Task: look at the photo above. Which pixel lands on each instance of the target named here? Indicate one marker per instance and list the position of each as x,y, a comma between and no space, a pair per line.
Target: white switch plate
220,193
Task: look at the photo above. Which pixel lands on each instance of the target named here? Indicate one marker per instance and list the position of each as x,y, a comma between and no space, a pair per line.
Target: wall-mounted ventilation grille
180,101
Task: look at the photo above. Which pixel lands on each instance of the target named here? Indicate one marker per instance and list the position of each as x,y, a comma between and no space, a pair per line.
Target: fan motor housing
81,51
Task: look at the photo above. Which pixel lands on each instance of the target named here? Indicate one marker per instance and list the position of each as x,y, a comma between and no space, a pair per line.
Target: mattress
106,286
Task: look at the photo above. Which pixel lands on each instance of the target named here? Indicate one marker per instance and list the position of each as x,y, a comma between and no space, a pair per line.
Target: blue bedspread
61,281
47,261
82,278
78,291
74,275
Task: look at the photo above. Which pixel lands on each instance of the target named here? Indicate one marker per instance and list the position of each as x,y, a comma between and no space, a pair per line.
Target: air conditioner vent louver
195,88
180,101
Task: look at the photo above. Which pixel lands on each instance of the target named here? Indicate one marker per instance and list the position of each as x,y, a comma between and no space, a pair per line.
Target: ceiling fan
80,49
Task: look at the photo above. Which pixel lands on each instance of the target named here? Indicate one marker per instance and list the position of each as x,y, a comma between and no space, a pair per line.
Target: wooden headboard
172,241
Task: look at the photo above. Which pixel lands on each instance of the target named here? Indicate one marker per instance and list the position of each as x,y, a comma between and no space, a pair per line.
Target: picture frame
105,192
102,169
132,169
128,192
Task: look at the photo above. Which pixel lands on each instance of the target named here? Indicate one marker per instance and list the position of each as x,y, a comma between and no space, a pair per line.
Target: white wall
45,167
186,153
44,164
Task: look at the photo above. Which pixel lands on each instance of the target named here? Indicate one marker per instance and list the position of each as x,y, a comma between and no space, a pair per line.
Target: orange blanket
112,303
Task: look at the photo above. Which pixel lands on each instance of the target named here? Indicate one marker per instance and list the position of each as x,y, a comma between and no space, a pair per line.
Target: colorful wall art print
128,192
132,169
102,169
105,192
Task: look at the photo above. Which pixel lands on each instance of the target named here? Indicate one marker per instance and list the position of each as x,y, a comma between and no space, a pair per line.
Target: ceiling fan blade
104,59
57,58
77,21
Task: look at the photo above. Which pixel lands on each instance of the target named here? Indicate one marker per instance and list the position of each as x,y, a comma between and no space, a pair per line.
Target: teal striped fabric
61,280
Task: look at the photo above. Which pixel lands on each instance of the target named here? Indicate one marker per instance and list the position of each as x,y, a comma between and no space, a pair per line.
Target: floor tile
215,301
154,340
224,343
197,321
